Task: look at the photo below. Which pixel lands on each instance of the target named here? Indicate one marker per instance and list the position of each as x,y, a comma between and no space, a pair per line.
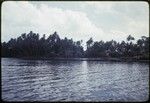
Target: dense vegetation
31,45
138,50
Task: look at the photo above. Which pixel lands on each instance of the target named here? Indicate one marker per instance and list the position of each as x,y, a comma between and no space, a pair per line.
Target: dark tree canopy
31,45
129,38
139,50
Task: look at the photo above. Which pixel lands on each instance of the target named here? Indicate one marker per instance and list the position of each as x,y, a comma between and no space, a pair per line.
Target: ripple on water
25,80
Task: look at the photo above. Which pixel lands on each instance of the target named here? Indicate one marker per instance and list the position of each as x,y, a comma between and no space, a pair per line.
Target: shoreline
84,59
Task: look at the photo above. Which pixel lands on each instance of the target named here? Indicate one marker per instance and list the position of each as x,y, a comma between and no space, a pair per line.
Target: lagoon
62,80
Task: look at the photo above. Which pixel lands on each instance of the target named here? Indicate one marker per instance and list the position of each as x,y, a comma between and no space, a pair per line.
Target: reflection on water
49,80
84,71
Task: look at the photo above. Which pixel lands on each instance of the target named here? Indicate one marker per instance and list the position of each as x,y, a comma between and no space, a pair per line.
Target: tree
89,42
130,38
30,45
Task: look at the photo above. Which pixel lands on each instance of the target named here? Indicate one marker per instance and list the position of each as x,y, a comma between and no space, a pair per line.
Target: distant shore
125,59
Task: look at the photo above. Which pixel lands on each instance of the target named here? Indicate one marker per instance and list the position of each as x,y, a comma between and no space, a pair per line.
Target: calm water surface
45,80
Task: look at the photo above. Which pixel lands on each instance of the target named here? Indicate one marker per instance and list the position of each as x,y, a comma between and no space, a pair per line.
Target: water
45,80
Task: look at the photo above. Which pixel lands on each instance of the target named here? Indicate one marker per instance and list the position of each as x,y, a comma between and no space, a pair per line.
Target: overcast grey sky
78,20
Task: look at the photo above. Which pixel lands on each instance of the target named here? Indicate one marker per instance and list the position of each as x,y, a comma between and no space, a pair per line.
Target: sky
78,20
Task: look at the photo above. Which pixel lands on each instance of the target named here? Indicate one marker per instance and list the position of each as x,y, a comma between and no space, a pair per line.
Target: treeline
31,45
138,50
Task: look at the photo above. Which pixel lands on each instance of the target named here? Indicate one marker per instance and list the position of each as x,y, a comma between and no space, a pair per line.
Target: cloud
77,20
121,17
101,6
45,20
